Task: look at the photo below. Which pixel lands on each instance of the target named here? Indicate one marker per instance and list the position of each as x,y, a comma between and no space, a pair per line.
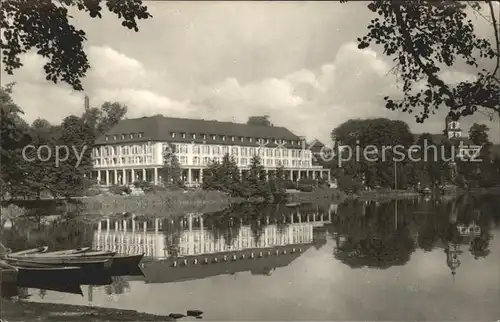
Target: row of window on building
214,137
125,136
142,149
105,151
201,161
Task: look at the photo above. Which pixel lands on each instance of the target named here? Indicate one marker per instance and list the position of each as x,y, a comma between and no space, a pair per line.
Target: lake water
420,260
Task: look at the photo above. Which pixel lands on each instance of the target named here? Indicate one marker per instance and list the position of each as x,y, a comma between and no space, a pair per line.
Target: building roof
315,146
160,128
164,271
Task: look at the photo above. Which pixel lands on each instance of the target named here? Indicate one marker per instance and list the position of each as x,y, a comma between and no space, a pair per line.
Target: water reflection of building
128,236
198,252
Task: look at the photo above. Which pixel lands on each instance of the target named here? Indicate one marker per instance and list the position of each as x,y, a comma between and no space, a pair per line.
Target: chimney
87,102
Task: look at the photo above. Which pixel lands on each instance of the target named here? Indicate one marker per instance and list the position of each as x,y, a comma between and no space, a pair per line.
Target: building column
107,225
132,175
124,225
157,225
99,227
124,177
307,174
98,177
107,177
145,226
133,223
201,176
189,176
291,175
115,177
155,176
202,235
314,174
329,178
143,174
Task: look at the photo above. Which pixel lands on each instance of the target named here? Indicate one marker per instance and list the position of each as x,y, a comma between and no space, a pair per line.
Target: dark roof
315,146
160,128
164,271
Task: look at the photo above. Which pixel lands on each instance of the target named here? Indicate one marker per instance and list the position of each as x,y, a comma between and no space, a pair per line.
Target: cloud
196,60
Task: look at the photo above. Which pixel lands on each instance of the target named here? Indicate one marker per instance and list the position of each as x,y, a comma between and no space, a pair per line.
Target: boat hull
126,265
88,273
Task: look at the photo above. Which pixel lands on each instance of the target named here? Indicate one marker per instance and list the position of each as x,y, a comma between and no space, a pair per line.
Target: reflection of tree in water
42,293
479,247
380,252
64,232
371,238
173,230
118,286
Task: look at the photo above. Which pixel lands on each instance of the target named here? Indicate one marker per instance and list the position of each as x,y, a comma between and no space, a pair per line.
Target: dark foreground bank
30,311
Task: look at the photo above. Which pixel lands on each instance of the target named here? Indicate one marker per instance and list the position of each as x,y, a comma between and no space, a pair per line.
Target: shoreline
21,310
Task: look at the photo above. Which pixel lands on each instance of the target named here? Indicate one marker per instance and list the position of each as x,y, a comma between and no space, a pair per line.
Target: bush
306,187
290,184
119,190
349,184
92,192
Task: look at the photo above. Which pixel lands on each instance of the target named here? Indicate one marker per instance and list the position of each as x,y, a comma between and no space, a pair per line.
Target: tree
478,133
45,26
14,137
71,177
104,118
112,113
256,179
259,120
223,176
374,136
171,171
425,37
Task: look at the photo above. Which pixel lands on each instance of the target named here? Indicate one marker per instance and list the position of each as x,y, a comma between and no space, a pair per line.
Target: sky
297,62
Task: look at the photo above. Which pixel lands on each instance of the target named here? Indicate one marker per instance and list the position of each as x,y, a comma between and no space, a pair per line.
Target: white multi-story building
133,149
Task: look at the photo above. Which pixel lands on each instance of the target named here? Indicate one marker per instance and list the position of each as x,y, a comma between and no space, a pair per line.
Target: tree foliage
259,120
45,26
171,171
36,173
424,39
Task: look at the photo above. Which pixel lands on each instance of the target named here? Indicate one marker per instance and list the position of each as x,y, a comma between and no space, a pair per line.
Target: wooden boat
68,254
29,252
8,273
84,262
126,265
89,272
40,272
69,251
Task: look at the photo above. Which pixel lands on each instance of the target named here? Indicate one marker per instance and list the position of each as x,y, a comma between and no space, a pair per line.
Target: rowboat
8,273
84,262
68,254
126,265
28,252
69,251
39,272
86,272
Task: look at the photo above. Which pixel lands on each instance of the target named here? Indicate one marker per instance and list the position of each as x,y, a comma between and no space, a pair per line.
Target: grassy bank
31,311
382,195
318,195
168,202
